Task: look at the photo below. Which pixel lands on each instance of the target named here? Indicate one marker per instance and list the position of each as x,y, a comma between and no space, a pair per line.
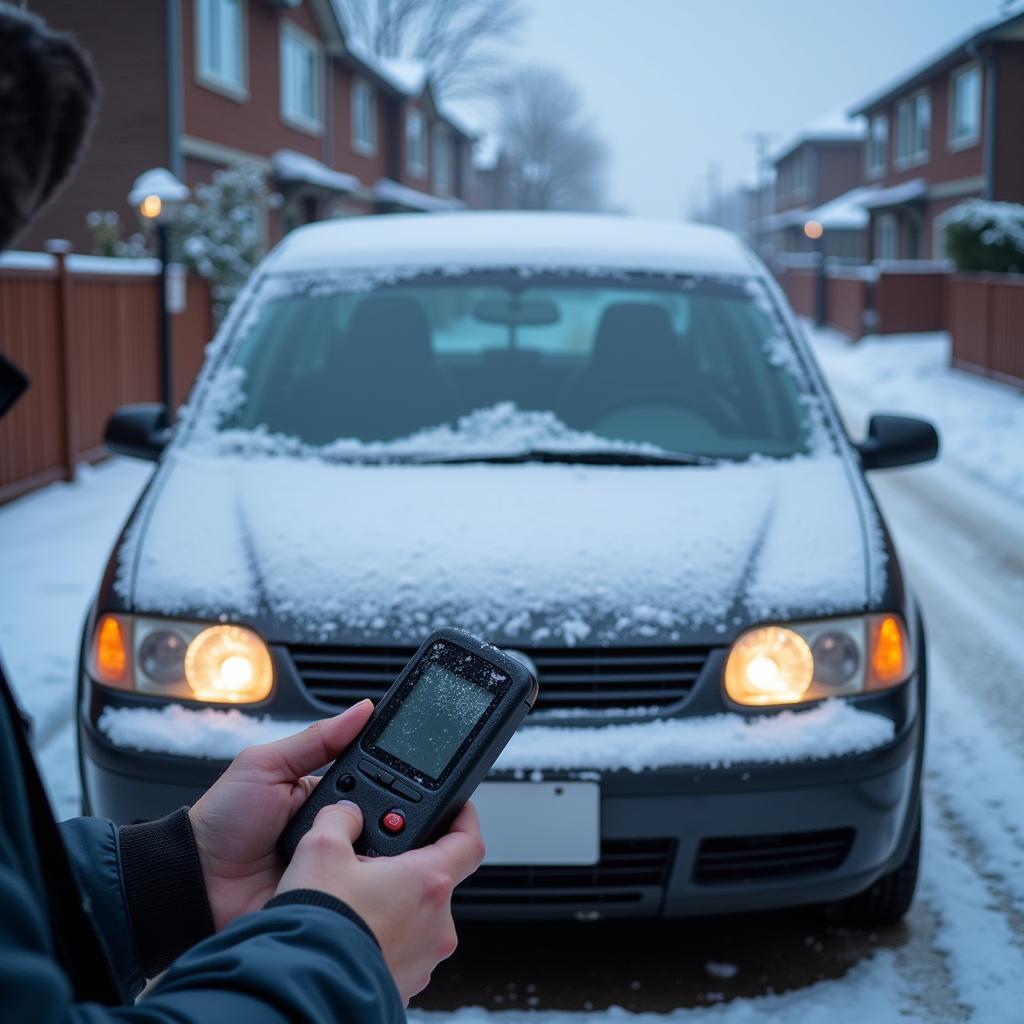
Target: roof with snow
512,238
1001,26
298,168
834,127
847,212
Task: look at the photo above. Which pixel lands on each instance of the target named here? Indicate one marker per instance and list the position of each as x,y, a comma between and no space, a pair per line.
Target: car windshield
477,365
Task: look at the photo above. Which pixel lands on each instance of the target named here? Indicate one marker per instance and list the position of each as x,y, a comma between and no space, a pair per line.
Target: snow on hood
832,729
516,553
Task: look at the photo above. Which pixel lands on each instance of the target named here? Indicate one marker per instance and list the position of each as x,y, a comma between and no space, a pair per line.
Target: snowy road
960,954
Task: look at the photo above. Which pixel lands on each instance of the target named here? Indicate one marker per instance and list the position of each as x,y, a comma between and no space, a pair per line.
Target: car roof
465,240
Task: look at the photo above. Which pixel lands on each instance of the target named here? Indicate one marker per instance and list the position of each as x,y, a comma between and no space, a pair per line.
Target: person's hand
406,900
237,821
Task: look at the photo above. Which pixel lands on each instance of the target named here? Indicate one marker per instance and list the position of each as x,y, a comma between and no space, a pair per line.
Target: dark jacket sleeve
288,964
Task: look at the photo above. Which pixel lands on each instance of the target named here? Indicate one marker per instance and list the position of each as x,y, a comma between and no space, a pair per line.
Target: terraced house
950,129
195,85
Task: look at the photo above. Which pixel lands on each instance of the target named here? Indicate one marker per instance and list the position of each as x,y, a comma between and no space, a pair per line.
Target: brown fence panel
968,320
847,297
799,288
1006,328
910,302
111,359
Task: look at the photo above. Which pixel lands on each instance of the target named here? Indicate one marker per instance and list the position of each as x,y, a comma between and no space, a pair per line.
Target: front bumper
675,842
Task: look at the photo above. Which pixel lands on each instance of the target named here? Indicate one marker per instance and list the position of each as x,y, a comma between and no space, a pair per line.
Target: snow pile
553,553
500,429
980,422
389,191
832,729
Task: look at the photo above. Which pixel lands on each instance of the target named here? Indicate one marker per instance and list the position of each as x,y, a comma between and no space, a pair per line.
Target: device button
345,783
384,778
393,822
408,792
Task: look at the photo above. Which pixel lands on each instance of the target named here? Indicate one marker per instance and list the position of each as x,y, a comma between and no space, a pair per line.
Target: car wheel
888,900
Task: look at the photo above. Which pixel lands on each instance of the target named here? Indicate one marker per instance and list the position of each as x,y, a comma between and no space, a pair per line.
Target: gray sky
673,85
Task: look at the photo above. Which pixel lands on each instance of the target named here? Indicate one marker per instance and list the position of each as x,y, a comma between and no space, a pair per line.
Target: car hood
521,554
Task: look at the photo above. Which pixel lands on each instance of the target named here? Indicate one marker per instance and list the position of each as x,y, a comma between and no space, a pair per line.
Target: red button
393,822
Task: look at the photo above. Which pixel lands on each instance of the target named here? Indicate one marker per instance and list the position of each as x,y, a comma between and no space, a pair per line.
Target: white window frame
919,154
886,227
207,74
417,168
876,161
310,123
441,159
954,141
364,117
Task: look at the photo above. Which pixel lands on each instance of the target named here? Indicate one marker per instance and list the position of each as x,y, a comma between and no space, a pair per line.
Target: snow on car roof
503,239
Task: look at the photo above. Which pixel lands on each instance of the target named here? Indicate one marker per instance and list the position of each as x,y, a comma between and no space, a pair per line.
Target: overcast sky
674,85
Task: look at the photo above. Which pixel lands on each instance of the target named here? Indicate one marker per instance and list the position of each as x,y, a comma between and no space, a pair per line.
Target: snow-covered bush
985,236
221,234
106,236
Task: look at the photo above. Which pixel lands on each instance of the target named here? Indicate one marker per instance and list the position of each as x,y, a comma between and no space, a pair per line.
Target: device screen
438,713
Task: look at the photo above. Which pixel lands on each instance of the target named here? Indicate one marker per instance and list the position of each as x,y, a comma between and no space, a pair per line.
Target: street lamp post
158,195
816,233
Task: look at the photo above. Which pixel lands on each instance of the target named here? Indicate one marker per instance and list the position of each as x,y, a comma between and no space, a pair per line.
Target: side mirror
897,441
140,431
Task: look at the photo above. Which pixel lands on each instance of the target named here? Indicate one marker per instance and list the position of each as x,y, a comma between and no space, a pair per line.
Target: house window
901,151
922,125
885,236
965,108
220,45
878,140
300,78
364,117
440,159
415,148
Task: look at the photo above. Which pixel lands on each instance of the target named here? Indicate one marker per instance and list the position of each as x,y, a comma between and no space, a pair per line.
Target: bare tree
455,38
551,157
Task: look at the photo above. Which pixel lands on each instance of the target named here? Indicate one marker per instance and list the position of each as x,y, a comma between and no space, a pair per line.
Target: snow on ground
981,422
829,730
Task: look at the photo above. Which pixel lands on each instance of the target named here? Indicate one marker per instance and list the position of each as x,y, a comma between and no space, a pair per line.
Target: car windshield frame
822,432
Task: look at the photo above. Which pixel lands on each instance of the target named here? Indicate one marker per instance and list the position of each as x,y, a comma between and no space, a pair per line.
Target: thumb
340,821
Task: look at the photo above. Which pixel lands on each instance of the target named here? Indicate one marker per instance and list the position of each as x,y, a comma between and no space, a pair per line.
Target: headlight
222,664
806,661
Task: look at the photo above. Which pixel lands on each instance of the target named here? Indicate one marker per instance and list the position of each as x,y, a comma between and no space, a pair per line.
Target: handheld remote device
430,742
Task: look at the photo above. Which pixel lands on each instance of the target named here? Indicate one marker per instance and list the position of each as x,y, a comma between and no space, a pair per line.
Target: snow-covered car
598,442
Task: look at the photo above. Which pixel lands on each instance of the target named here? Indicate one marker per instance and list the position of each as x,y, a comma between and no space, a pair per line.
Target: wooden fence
986,323
84,329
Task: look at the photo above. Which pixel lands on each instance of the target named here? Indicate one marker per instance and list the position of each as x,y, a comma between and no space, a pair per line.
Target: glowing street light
813,230
158,195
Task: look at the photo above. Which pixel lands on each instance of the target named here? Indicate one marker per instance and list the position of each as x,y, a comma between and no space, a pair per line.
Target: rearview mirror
516,312
140,431
897,441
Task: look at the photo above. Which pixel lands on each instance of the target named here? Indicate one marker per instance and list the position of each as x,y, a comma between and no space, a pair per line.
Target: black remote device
431,740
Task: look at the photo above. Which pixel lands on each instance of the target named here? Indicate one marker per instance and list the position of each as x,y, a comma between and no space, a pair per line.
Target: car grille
589,678
627,867
752,858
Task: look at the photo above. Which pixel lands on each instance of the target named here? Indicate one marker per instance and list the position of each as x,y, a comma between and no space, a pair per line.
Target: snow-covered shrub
221,234
985,236
106,236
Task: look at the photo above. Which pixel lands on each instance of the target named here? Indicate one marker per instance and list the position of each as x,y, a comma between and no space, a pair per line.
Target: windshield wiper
589,457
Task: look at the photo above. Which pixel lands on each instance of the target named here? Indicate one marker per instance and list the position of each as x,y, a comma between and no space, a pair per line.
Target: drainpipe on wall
986,60
174,98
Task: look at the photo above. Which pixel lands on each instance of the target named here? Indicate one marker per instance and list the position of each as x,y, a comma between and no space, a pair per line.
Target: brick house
817,174
195,85
948,130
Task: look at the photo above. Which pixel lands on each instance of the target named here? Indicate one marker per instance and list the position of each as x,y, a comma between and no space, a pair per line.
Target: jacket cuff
164,889
316,898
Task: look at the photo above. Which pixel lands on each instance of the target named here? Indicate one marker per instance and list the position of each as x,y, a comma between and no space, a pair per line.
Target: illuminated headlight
224,664
807,661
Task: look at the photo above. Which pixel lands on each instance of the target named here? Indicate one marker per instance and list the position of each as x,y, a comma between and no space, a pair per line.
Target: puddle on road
652,966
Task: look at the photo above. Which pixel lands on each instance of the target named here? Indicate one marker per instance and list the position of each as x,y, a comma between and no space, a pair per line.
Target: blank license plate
540,822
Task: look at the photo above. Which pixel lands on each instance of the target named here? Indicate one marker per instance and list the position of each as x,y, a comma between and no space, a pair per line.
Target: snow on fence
879,298
84,329
986,322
